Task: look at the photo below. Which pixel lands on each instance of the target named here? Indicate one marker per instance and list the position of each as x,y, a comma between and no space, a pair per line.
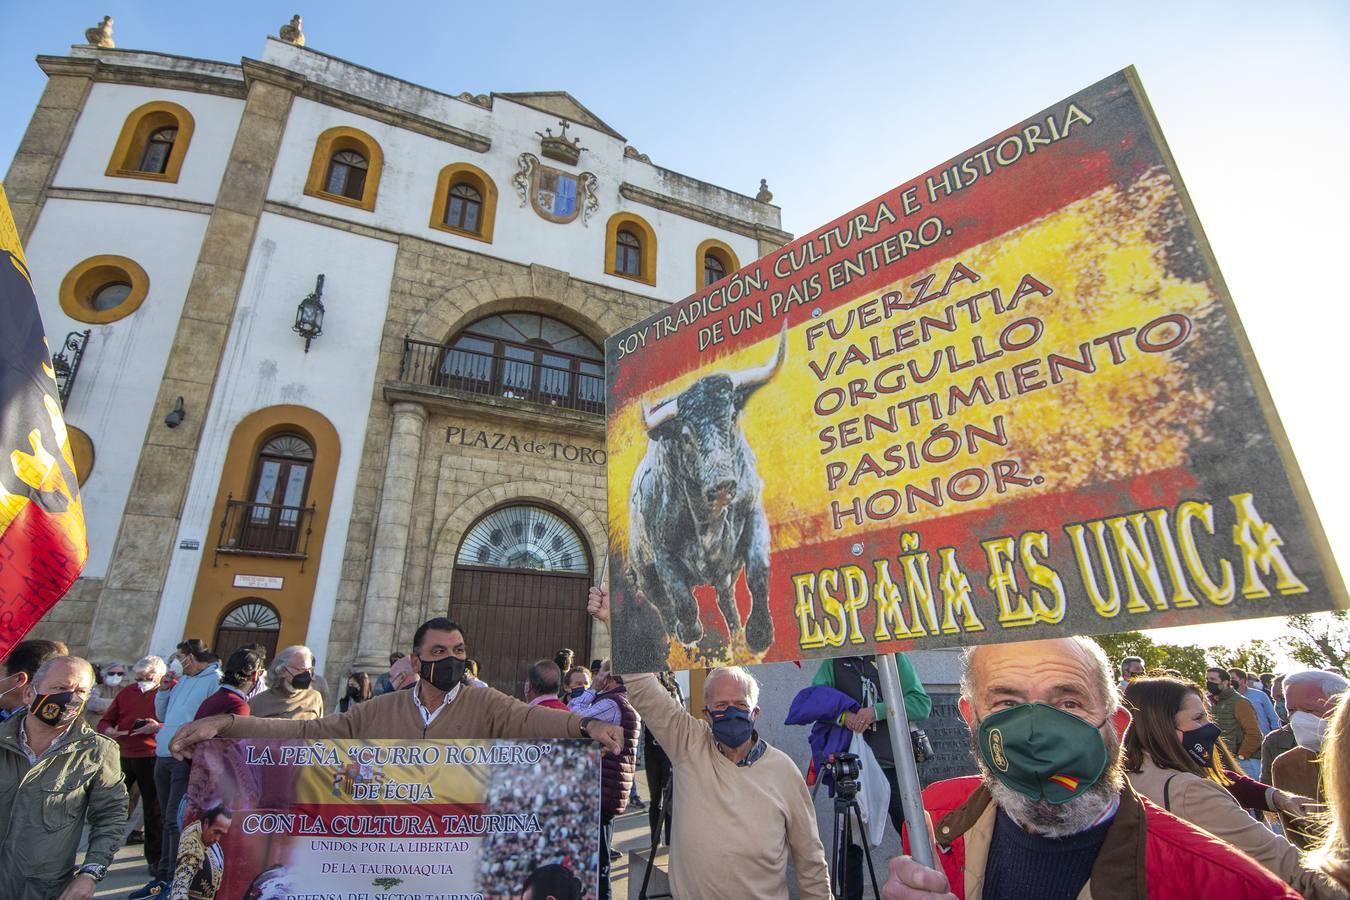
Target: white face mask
1308,730
145,686
114,680
176,666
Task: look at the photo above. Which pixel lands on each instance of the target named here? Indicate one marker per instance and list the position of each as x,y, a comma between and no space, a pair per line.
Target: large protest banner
1008,399
379,820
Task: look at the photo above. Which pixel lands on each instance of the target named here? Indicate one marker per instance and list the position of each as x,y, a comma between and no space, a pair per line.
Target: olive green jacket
44,806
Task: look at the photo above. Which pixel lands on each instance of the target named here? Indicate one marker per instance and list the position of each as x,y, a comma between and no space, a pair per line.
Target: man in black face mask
439,706
291,694
56,776
1052,816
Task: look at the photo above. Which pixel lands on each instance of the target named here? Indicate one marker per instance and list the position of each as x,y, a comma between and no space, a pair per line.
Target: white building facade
439,448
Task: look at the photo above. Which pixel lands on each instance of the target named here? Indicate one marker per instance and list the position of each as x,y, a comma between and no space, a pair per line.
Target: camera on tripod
844,768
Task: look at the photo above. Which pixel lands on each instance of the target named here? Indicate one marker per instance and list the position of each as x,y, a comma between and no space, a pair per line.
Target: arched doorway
519,591
250,621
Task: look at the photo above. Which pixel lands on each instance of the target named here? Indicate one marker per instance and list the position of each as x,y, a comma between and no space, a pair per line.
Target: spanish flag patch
1066,781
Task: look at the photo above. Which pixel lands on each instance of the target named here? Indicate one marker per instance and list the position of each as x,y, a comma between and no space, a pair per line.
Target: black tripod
845,769
662,825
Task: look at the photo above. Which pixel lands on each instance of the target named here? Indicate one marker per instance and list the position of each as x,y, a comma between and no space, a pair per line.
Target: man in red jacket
1051,815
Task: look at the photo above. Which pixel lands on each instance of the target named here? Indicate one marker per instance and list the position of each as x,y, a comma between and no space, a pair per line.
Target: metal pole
906,769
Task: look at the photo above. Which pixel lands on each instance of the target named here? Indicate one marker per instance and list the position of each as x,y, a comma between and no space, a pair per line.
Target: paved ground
128,872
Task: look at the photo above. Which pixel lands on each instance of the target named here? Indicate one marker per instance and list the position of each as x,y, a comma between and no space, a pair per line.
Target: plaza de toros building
330,346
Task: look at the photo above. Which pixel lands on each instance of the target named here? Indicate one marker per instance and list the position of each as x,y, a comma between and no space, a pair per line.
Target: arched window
272,516
346,174
630,248
713,270
345,168
715,260
155,159
251,621
153,142
464,209
525,356
465,202
524,537
627,253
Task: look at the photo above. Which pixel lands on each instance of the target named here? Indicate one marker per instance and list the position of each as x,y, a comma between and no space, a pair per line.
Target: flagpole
906,769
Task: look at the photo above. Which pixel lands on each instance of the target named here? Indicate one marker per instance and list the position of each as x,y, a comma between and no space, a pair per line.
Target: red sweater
128,706
223,702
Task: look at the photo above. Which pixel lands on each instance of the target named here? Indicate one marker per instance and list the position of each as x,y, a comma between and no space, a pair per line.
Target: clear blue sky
835,103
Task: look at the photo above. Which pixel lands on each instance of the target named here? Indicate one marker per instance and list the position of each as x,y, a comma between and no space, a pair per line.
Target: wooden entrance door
251,621
513,618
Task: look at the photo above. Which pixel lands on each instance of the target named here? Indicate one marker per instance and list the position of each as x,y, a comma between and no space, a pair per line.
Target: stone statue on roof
101,34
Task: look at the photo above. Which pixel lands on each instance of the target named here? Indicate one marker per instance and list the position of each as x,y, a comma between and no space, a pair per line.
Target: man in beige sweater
740,805
438,706
292,694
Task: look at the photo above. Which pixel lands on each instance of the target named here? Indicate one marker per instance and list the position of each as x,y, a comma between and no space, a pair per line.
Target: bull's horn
747,378
658,415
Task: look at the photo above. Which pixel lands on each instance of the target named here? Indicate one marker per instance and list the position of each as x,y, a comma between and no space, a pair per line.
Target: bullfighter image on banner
42,534
266,820
1009,399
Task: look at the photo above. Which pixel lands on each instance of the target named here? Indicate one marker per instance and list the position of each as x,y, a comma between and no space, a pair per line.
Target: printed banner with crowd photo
1008,399
373,820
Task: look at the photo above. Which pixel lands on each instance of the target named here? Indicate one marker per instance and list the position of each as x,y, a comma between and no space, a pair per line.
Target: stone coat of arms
556,195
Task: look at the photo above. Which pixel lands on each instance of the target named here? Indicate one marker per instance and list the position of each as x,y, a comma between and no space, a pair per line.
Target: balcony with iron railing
265,529
456,371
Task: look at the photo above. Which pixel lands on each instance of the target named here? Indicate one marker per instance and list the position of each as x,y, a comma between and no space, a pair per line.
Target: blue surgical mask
576,692
732,726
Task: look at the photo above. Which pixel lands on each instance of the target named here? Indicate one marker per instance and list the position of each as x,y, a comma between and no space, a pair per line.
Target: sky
835,103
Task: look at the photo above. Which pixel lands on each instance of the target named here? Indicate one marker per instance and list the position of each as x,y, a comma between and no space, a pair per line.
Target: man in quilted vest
607,701
1051,814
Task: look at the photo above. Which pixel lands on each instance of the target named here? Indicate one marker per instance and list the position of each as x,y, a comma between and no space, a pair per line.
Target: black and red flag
42,536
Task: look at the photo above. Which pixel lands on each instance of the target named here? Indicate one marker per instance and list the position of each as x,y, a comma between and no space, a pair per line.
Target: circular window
82,450
104,289
110,296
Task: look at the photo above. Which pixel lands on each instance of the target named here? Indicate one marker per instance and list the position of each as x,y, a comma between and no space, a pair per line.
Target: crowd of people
556,790
1092,779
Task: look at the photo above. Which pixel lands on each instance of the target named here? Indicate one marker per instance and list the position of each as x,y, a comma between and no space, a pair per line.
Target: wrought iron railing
265,529
489,375
66,363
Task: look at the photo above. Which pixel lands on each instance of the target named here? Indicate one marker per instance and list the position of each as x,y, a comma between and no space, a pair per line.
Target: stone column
379,614
44,143
131,598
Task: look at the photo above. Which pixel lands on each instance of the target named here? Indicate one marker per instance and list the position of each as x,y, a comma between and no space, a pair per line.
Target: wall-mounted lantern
309,315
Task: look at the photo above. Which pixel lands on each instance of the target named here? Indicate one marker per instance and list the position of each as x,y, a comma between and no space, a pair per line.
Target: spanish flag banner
42,536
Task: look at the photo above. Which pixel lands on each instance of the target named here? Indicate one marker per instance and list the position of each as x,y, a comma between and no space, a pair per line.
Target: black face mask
302,681
443,674
1199,742
1214,689
56,709
353,691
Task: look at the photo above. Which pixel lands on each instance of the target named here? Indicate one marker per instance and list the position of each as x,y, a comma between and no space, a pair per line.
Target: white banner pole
906,769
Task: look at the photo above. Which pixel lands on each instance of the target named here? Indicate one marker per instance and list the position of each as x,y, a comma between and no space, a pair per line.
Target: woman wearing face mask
358,691
1174,758
112,677
130,720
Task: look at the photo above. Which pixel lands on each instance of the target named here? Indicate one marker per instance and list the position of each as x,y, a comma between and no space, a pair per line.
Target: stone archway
514,614
452,531
538,289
